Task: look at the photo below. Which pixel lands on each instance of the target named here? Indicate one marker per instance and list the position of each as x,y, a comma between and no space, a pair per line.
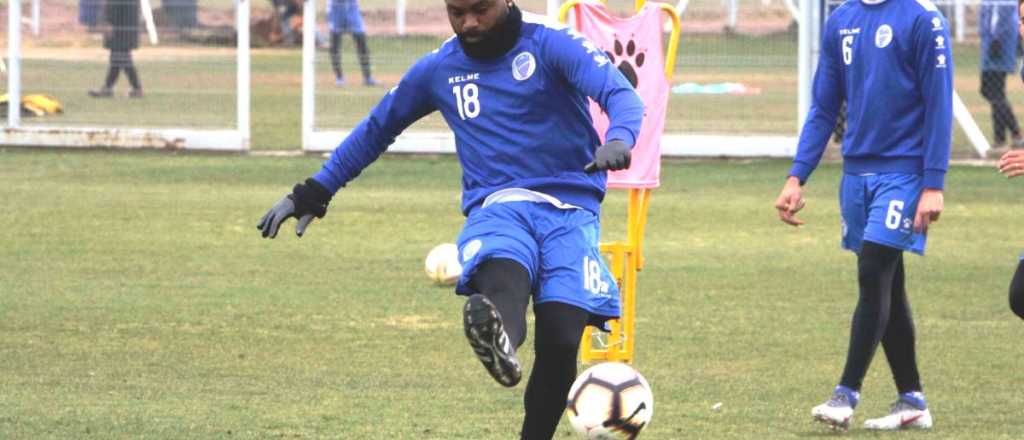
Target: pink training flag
635,46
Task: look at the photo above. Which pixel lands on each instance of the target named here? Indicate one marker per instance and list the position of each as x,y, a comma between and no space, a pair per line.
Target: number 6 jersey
890,60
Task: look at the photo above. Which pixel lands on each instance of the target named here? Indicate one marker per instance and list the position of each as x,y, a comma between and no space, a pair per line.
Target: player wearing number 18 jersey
890,60
514,91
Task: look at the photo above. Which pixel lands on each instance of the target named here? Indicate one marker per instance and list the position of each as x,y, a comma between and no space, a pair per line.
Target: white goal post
237,138
674,144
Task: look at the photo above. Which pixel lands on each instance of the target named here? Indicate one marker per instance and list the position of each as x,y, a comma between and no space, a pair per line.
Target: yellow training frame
626,257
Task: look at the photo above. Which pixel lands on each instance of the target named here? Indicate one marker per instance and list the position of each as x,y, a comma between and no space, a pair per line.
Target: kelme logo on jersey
940,61
883,36
523,66
936,24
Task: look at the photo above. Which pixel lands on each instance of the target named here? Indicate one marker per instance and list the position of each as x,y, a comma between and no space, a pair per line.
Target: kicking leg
494,319
557,342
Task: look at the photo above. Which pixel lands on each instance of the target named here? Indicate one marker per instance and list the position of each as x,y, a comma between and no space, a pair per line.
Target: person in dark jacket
997,23
121,38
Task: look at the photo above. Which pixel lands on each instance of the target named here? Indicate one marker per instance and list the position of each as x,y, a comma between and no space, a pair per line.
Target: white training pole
400,17
147,16
14,59
793,10
970,127
308,71
35,17
243,9
733,12
805,66
959,10
552,9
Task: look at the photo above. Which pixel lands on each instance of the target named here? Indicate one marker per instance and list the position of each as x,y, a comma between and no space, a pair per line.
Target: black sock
335,51
506,283
876,269
556,342
899,339
1017,291
364,53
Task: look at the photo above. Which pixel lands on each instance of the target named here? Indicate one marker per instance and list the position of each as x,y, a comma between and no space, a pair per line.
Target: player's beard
499,40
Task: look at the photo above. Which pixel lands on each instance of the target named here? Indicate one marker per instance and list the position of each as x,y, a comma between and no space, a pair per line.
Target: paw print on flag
629,59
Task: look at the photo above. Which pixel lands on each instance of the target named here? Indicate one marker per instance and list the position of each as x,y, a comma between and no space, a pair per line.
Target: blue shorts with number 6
880,208
558,247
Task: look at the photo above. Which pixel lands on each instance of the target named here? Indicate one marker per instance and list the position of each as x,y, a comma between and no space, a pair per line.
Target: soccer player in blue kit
890,60
514,92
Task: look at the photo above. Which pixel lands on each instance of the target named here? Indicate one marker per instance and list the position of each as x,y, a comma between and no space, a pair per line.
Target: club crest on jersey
523,66
883,36
470,249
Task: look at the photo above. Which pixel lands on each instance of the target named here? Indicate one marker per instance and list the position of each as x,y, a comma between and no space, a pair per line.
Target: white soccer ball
610,401
442,264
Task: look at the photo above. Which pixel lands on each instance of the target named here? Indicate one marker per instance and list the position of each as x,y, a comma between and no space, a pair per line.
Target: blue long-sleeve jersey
520,120
892,64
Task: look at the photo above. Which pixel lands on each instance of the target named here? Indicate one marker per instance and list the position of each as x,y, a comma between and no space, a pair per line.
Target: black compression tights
559,328
882,315
122,60
361,48
1017,291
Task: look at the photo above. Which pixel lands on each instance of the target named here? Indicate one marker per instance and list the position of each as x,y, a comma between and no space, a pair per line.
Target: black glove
995,49
614,155
307,200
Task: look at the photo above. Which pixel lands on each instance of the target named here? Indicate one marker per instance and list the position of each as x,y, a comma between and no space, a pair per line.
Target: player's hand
614,155
928,210
1012,163
790,202
307,200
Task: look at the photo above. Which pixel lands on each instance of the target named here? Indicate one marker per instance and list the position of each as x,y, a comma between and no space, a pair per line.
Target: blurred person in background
89,13
285,10
344,16
121,37
997,22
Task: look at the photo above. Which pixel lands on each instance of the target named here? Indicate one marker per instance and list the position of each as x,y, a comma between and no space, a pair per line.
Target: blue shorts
558,247
880,208
344,16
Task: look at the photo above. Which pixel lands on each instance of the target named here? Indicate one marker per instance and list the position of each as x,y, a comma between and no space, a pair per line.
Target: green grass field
138,301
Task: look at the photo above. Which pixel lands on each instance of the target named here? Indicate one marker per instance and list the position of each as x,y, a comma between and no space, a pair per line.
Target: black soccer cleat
487,336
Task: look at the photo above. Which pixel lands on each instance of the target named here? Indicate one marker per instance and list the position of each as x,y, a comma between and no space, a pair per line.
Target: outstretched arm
402,106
